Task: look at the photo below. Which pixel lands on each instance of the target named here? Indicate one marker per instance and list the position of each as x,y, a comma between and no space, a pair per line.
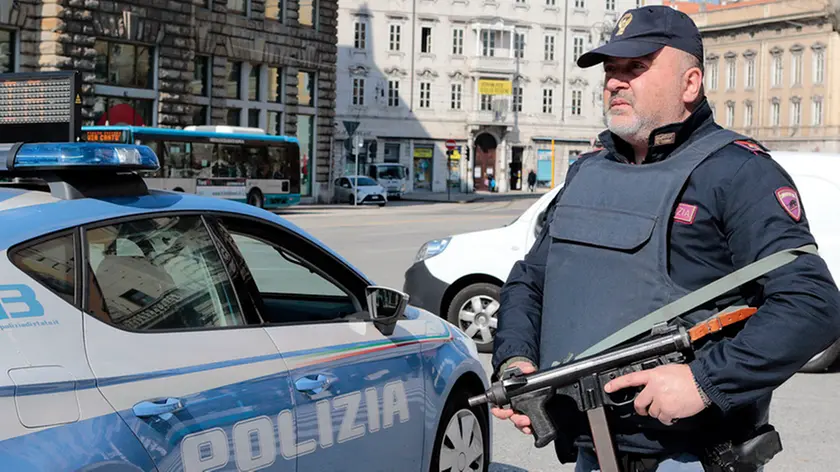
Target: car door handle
158,407
312,384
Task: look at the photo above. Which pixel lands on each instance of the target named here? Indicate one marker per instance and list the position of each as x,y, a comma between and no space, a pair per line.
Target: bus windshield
251,167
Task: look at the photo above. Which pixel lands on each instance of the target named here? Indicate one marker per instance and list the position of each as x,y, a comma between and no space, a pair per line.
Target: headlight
431,248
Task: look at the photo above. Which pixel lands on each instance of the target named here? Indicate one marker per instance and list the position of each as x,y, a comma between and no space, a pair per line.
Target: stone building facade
173,63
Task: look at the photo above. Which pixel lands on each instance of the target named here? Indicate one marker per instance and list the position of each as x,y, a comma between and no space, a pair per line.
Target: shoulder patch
752,146
789,199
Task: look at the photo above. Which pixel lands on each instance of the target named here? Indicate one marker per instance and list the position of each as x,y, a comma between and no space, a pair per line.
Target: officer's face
643,93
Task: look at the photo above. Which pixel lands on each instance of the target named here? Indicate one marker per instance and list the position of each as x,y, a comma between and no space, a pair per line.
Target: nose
615,83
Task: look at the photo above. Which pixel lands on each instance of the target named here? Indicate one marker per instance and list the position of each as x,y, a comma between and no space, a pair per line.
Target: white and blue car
145,330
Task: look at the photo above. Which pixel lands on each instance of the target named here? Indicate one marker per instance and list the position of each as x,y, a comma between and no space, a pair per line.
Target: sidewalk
460,197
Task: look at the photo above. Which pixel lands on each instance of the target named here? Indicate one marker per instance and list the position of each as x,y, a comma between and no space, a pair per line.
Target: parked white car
459,277
367,190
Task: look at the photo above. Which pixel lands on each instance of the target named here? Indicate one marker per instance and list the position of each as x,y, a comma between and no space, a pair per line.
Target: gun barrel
563,375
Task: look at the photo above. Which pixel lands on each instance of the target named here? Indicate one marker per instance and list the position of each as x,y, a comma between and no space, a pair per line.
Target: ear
692,85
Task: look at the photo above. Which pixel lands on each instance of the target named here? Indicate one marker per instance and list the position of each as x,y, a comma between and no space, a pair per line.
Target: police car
459,276
145,330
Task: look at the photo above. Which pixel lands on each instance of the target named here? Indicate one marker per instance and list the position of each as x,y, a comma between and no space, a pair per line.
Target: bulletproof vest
607,265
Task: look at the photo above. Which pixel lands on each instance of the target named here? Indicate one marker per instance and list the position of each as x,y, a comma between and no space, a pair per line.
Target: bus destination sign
103,136
40,107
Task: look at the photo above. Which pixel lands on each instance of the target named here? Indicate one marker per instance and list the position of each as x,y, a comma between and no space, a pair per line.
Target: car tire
822,361
484,321
464,424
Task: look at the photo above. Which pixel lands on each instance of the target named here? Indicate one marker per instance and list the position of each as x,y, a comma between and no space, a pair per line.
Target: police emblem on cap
789,200
623,22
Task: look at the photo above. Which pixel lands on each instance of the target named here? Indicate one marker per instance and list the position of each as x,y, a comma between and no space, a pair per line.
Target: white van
459,277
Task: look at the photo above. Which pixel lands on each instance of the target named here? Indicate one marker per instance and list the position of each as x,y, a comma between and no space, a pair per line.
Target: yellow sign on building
495,87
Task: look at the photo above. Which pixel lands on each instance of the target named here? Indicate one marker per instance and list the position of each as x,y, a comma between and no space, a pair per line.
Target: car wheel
823,360
474,310
462,441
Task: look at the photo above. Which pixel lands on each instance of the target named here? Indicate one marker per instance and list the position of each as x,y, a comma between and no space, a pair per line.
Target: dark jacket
739,220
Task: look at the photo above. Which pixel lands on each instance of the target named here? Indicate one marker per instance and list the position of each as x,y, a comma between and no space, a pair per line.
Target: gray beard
629,132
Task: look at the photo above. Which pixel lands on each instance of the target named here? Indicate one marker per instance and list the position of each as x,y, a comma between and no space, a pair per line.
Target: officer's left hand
669,392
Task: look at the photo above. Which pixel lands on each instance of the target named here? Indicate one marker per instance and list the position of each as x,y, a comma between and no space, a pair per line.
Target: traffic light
372,150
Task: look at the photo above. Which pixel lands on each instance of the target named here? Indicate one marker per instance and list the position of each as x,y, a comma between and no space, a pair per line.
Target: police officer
670,204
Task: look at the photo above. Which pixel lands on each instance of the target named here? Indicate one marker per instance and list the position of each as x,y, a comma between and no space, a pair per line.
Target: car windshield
392,172
365,181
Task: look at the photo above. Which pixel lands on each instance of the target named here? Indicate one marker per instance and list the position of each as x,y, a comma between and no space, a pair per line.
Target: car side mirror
385,306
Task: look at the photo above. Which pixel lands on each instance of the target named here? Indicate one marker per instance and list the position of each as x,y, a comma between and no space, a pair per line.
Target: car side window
296,283
50,262
159,274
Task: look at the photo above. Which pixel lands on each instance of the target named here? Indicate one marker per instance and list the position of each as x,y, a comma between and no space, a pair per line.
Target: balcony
490,118
494,65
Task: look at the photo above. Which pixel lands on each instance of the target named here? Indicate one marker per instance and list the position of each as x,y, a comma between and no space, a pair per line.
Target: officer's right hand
522,422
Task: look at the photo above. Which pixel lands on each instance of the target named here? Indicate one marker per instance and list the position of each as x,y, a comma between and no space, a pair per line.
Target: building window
795,112
712,75
200,87
237,6
817,112
233,71
488,43
577,50
551,3
610,5
819,66
730,114
748,115
306,88
358,91
580,4
393,93
456,97
394,38
274,10
730,74
425,94
486,102
458,42
517,99
306,140
123,65
306,13
548,101
360,35
257,102
124,90
577,102
776,71
548,53
796,68
519,45
426,39
750,73
775,113
7,52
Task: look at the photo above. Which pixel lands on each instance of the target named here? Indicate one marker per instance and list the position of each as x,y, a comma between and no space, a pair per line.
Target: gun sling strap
699,297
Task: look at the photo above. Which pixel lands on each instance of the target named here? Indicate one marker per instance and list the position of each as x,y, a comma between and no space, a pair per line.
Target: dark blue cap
645,30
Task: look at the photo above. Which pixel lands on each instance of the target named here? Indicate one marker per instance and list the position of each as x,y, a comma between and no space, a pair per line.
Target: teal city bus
231,162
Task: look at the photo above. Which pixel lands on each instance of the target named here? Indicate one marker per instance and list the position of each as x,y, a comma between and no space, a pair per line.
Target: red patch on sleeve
789,200
685,213
751,146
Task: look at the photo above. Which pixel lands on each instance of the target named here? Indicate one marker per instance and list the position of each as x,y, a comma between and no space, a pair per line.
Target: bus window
224,164
177,162
202,157
253,160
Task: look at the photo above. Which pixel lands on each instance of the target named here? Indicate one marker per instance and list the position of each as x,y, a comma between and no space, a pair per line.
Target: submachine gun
583,381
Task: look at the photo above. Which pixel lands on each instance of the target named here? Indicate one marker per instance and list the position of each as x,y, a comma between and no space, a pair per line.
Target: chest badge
789,200
685,213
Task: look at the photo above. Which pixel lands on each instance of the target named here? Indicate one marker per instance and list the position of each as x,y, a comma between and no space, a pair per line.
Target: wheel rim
477,318
462,444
